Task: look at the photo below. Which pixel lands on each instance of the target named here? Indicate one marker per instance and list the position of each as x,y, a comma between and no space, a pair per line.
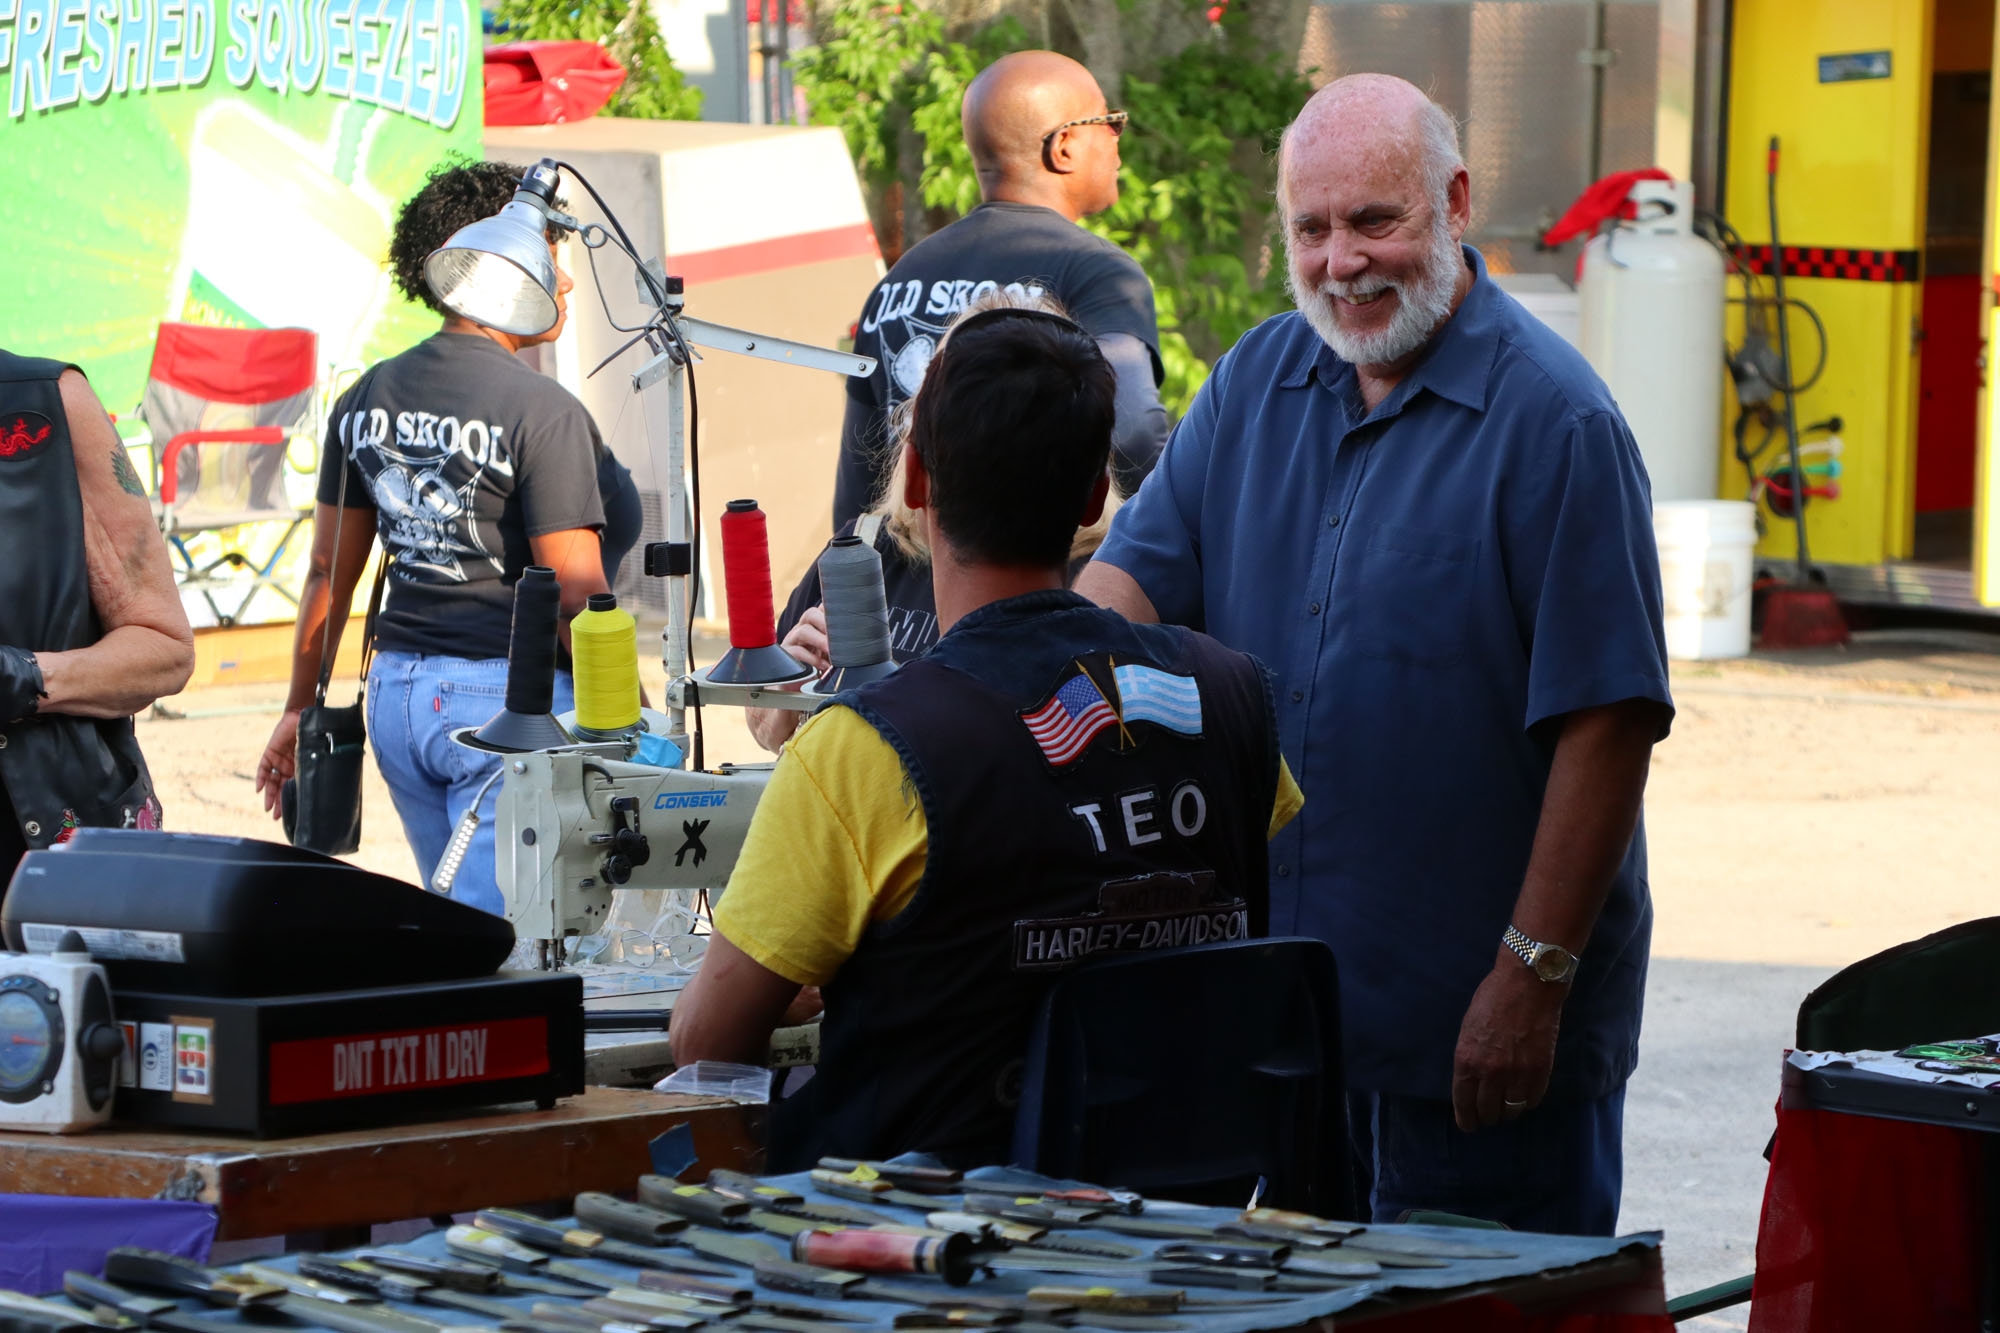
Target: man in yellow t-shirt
1049,783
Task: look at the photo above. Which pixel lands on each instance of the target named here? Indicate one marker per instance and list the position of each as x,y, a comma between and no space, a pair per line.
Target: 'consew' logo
27,430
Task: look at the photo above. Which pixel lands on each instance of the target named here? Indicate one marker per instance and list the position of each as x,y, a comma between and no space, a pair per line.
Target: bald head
1377,124
1008,113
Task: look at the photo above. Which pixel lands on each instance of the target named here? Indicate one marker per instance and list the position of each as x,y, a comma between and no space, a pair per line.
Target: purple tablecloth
44,1235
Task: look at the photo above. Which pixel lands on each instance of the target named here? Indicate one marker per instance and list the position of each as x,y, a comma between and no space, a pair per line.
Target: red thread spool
746,576
858,1251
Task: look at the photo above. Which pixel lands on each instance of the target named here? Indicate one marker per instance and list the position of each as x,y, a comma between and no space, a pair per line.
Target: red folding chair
225,401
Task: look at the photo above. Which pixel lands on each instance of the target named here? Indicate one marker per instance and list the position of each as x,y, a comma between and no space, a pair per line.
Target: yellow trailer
1886,191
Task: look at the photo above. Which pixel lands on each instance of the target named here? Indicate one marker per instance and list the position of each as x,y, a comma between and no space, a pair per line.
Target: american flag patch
1065,725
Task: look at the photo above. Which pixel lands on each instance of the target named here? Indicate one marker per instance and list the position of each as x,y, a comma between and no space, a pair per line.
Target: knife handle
320,1268
168,1272
456,1274
530,1230
737,1185
701,1288
635,1222
692,1201
937,1177
804,1279
82,1287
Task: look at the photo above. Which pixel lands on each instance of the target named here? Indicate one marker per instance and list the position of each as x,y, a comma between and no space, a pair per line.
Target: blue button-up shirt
1433,585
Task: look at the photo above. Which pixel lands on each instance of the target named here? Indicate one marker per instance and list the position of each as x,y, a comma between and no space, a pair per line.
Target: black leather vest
61,772
1044,850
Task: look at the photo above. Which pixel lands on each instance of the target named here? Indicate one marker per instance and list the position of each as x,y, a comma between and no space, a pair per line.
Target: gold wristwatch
1550,962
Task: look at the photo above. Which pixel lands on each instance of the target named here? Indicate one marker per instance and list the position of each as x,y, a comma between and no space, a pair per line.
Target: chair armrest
170,483
1709,1299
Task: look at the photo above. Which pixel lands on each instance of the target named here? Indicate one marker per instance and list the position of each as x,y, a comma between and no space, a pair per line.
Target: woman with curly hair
469,466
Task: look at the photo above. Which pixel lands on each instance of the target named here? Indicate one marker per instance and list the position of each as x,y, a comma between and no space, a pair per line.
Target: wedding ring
1514,1106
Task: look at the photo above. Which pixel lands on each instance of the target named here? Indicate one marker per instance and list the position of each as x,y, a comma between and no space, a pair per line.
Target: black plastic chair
1190,1073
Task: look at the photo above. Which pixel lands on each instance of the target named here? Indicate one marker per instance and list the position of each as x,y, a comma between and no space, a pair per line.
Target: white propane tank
1651,325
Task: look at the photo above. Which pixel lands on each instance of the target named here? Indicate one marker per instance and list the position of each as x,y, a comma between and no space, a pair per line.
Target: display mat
1531,1255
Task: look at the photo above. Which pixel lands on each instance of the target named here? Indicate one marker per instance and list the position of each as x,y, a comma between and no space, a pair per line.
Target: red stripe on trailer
806,247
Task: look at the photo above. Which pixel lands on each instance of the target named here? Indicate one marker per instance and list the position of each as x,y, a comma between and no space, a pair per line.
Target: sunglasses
1115,121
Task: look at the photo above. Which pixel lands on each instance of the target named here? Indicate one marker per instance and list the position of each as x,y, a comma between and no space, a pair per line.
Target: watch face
1553,962
31,1034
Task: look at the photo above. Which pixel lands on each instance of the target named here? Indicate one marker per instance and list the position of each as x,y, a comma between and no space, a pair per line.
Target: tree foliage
1195,206
653,88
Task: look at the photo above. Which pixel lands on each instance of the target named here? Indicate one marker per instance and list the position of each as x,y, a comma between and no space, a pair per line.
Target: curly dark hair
456,194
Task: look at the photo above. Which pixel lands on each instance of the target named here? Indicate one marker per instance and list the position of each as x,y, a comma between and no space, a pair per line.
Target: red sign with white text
366,1064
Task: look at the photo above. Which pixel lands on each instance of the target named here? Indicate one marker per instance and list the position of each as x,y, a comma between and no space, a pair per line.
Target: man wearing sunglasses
1045,146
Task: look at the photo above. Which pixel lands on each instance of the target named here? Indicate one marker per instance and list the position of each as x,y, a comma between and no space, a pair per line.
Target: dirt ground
1808,810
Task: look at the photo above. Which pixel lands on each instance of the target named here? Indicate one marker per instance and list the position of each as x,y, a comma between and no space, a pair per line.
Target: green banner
222,162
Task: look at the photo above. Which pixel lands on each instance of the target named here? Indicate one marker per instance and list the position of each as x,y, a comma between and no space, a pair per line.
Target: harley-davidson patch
22,432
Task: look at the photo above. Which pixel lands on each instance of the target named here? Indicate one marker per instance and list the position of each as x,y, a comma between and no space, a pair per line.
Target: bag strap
374,596
868,527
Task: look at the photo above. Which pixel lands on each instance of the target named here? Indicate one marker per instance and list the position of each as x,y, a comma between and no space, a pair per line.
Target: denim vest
1079,801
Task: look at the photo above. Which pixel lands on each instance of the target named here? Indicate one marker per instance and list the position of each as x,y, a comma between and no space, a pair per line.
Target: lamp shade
498,272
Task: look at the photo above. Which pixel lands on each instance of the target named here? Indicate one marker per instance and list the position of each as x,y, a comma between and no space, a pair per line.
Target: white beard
1422,303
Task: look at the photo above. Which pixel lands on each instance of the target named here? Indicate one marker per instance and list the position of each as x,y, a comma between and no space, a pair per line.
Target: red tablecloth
1868,1224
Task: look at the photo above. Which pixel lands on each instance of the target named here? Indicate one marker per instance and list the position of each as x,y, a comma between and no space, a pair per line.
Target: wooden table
273,1187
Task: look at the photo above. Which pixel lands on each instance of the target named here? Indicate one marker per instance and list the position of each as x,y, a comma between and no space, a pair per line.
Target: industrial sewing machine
583,815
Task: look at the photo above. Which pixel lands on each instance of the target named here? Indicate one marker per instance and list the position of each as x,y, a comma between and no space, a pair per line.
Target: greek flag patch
1148,694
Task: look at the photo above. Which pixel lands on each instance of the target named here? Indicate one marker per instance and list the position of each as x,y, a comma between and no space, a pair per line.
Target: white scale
59,1045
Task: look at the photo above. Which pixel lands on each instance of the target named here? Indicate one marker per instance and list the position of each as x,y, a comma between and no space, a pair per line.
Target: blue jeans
415,702
1560,1168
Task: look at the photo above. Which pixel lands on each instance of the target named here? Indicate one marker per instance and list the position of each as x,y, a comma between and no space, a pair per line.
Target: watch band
1531,951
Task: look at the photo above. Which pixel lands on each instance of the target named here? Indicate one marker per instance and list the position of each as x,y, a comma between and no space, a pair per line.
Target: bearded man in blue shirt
1422,510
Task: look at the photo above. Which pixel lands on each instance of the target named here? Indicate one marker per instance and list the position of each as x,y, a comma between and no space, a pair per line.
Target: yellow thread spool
604,642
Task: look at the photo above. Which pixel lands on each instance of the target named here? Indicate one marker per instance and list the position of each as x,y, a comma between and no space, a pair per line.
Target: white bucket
1706,565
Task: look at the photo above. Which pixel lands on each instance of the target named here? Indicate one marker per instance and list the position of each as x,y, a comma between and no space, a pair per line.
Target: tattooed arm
147,650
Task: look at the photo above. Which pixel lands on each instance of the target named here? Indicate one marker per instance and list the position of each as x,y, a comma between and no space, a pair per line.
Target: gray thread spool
857,616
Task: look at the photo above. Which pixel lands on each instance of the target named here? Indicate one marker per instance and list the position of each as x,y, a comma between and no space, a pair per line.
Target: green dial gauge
31,1038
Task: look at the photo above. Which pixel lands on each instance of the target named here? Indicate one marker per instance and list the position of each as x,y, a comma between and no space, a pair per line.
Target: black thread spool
526,723
857,616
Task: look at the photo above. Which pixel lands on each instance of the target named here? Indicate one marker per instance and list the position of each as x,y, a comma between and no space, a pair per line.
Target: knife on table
184,1277
255,1295
749,1189
383,1285
577,1242
466,1275
31,1314
136,1310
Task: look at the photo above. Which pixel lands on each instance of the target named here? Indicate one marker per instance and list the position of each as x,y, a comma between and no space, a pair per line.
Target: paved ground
1808,810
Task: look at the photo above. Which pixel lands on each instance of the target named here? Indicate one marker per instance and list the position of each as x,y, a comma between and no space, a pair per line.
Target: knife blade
645,1316
573,1319
457,1274
869,1191
29,1314
1394,1242
916,1179
553,1238
311,1302
748,1189
358,1275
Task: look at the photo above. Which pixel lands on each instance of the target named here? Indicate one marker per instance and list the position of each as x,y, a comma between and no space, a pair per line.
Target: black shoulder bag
322,805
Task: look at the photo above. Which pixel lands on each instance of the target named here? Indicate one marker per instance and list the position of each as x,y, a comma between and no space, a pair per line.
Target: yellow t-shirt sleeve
1289,801
838,842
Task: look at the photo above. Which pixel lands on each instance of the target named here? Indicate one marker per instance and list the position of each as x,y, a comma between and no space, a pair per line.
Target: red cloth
1868,1224
1603,200
235,365
548,83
